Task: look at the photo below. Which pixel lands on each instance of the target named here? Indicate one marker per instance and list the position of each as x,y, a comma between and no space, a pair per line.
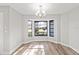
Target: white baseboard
39,40
11,51
69,46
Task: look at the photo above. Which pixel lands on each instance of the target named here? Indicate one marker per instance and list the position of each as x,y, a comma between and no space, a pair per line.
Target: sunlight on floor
37,49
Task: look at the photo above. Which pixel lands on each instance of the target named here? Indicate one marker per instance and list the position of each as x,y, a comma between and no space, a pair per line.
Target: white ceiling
51,8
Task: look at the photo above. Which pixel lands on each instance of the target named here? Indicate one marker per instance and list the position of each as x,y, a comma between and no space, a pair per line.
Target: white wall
11,29
4,30
70,28
1,33
15,29
64,28
74,28
56,19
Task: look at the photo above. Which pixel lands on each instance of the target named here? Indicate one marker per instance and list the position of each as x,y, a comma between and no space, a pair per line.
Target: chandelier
40,11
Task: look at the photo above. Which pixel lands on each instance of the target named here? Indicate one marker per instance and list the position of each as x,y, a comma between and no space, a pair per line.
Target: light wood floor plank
44,48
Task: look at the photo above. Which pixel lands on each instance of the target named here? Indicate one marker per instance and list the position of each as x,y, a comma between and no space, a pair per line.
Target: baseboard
13,50
39,40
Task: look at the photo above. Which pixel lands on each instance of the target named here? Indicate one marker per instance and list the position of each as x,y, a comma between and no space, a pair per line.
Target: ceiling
51,8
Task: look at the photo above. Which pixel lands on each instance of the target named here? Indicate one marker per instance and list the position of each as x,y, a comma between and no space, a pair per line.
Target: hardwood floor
44,48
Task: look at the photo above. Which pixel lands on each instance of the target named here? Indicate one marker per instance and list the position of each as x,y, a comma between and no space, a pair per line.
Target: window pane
40,28
52,34
51,28
29,28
